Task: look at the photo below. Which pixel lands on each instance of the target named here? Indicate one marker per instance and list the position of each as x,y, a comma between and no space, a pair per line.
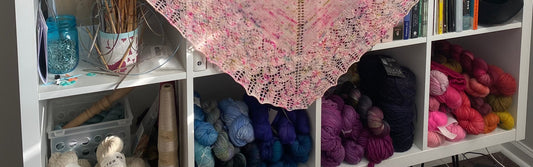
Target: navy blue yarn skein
259,117
284,127
393,89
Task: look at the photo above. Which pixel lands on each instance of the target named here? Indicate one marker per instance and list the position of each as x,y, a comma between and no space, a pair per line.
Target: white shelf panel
172,70
211,70
481,30
471,142
399,43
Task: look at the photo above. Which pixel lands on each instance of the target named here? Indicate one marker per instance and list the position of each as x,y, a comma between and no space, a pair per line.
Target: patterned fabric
284,52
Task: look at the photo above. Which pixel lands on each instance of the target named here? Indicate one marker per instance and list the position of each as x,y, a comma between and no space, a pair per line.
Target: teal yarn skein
203,156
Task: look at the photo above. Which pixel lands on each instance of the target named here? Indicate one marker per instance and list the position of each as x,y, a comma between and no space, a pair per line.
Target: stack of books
455,15
413,25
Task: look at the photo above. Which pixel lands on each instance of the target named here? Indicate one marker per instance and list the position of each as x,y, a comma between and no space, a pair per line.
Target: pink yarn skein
436,119
452,98
438,83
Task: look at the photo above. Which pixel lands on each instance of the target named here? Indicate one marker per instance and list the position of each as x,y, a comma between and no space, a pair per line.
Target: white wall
10,140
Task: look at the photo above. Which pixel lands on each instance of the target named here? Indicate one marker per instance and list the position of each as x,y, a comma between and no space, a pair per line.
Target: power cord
493,157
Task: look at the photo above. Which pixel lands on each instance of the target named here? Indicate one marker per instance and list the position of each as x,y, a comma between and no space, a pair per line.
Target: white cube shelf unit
507,46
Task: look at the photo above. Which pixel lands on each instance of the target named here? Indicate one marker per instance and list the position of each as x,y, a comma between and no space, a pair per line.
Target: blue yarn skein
284,128
259,117
204,133
301,148
203,156
241,131
301,122
198,113
239,126
277,151
242,107
212,113
253,157
271,150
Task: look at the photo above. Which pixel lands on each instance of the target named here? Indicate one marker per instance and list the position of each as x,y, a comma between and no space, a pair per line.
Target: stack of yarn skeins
477,94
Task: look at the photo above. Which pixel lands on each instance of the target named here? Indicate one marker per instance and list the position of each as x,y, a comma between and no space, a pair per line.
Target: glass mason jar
62,47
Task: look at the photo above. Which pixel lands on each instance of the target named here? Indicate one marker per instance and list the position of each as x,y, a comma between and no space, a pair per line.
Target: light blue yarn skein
203,156
204,133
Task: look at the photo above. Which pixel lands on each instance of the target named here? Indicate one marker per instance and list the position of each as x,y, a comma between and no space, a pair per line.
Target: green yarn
499,103
454,65
223,149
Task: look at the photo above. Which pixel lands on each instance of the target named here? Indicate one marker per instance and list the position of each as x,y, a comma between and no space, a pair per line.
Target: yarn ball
204,133
476,89
110,145
479,104
466,60
241,131
453,65
198,113
434,104
455,51
63,159
332,150
203,156
436,119
251,152
505,85
438,83
223,149
301,121
365,103
506,120
468,118
499,103
491,122
86,163
378,149
457,130
452,98
354,151
400,120
259,118
495,72
284,127
435,139
212,113
301,148
376,124
480,71
351,124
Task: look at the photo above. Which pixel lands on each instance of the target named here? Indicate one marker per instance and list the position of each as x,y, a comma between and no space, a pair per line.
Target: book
451,15
458,15
445,16
398,31
467,17
407,26
475,16
415,20
424,16
440,16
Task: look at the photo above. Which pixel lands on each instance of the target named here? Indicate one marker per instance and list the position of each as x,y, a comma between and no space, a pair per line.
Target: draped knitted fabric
284,52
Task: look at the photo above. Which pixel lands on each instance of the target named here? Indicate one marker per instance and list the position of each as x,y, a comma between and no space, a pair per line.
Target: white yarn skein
84,163
135,162
109,153
67,159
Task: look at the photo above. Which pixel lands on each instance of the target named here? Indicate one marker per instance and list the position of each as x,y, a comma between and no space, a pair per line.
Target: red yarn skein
466,60
479,71
468,118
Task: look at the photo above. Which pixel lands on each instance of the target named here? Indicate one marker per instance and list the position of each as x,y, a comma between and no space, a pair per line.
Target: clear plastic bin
84,139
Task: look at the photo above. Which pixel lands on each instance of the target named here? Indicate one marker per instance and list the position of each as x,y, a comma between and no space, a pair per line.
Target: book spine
459,15
398,31
440,16
445,17
451,16
415,20
424,18
407,26
475,18
467,17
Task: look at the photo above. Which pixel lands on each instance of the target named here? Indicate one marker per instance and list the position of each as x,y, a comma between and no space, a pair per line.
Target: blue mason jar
62,44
